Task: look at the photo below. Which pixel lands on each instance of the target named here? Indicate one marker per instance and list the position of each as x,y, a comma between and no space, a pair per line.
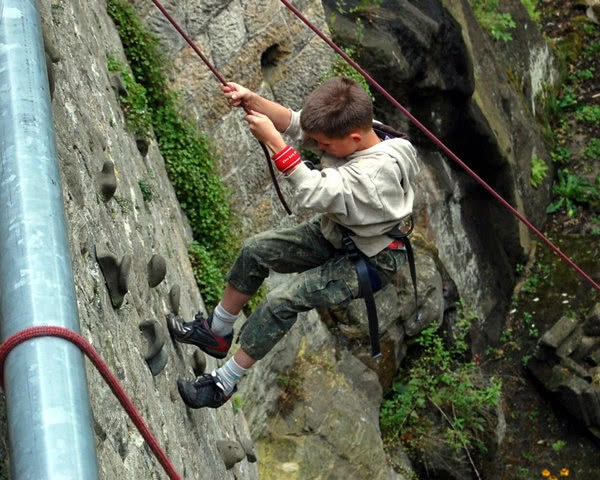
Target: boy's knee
267,325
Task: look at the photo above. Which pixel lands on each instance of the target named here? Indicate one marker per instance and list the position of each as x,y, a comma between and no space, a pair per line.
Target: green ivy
134,102
189,156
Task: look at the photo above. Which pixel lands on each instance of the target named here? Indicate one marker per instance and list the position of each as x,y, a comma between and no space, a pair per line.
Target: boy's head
336,115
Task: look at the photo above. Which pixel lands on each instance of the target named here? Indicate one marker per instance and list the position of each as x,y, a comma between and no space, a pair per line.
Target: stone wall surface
312,404
478,97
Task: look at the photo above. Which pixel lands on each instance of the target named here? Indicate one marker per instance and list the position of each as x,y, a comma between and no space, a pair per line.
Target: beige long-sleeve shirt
367,192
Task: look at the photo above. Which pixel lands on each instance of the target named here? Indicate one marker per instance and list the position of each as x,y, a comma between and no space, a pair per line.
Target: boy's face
338,147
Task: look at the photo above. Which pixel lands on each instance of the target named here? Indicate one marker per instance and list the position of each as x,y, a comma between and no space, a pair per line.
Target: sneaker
205,391
198,333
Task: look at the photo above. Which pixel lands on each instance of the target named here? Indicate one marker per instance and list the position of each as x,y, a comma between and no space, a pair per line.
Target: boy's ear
356,135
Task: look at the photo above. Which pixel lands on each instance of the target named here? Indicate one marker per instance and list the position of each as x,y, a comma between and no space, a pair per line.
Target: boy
364,186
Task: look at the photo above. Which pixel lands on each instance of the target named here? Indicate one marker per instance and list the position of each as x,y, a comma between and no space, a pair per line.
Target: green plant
497,24
596,222
591,50
539,169
366,6
586,74
531,283
134,103
592,149
589,114
146,189
561,154
571,190
207,273
507,335
531,7
439,381
568,99
558,445
189,156
237,403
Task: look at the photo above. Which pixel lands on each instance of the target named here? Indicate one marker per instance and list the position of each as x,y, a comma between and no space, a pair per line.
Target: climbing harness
439,143
74,337
224,82
369,281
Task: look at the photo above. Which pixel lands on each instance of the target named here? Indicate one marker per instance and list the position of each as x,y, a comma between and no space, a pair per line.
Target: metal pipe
49,415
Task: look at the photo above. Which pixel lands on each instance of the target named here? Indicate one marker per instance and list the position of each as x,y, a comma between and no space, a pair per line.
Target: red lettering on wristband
287,160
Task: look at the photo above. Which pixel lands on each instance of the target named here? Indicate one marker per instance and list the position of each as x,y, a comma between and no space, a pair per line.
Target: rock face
567,363
315,409
478,98
312,404
111,212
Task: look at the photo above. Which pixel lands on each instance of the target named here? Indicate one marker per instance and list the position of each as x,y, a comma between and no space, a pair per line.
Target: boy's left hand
263,129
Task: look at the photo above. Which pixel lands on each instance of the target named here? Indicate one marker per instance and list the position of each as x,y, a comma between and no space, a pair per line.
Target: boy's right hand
236,94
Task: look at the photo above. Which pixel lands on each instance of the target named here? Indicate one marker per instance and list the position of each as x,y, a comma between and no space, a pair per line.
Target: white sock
222,322
229,374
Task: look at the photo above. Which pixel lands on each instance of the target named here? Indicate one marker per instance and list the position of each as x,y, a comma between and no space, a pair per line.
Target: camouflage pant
327,278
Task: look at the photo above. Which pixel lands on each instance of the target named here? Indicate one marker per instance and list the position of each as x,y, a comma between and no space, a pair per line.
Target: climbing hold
232,452
143,144
156,356
115,274
198,363
108,180
248,446
174,298
157,269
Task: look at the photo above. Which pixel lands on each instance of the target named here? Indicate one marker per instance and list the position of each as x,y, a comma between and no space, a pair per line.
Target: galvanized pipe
49,415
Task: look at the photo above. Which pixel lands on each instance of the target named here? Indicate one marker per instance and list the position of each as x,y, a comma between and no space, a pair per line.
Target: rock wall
136,237
312,404
478,97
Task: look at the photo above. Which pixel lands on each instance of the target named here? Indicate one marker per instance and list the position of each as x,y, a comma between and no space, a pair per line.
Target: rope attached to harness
224,82
104,370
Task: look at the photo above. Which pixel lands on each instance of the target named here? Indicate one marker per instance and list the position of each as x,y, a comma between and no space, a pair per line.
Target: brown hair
337,107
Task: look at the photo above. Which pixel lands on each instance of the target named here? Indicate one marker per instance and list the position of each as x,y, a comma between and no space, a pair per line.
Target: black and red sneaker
198,333
205,391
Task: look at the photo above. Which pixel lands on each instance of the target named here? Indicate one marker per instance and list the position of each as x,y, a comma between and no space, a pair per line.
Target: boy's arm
239,96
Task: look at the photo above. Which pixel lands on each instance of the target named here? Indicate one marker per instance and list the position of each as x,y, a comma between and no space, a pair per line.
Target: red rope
439,143
104,370
223,81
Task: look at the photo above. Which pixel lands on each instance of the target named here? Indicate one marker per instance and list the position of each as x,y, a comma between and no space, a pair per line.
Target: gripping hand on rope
239,96
263,129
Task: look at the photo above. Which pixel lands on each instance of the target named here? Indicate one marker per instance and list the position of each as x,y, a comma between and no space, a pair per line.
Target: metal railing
49,415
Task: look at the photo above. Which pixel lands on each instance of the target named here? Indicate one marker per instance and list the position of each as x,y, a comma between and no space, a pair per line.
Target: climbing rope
224,82
439,143
104,370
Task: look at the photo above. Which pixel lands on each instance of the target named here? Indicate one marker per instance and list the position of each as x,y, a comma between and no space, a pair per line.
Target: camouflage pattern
327,277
